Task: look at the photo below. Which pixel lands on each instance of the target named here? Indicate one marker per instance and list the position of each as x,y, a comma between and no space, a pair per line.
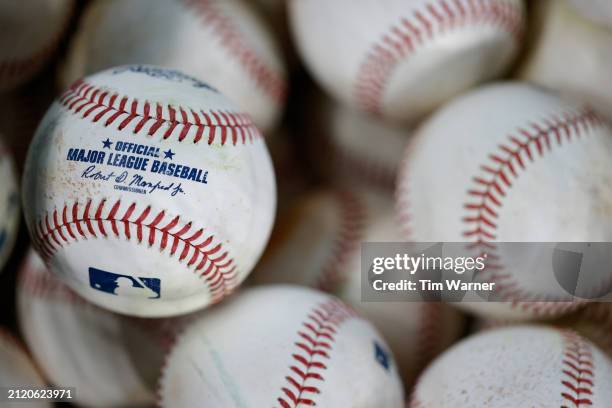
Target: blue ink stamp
382,356
124,285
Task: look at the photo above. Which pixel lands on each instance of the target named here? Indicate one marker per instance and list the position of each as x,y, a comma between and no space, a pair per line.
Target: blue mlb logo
382,356
124,285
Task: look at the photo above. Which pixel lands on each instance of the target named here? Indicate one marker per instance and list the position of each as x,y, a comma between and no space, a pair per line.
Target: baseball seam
270,82
577,371
103,106
313,348
402,194
430,331
492,184
352,214
178,239
404,39
577,375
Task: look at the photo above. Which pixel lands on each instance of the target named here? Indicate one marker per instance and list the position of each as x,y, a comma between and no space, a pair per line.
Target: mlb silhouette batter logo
124,285
382,356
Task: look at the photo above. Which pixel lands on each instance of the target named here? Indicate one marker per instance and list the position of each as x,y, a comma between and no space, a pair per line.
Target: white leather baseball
223,42
416,331
9,204
570,54
111,360
361,151
393,58
18,371
281,346
600,11
147,192
511,163
31,31
522,366
312,242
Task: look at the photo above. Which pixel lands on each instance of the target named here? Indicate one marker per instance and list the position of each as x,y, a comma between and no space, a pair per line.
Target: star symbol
382,356
169,154
107,143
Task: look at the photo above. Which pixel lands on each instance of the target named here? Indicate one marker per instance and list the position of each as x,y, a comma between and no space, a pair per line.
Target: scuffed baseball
281,346
512,163
570,54
9,204
518,367
31,31
393,58
147,192
17,371
600,11
223,42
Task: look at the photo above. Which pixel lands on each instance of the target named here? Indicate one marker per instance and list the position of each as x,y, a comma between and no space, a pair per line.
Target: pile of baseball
185,187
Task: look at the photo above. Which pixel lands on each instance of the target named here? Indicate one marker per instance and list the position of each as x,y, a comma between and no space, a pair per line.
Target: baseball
511,163
147,192
346,155
18,371
31,31
111,360
518,367
570,54
300,348
393,58
9,204
318,244
221,41
600,11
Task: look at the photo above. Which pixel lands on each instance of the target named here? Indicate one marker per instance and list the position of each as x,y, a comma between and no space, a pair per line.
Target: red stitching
577,373
267,79
199,251
485,197
100,105
313,348
352,216
404,39
430,333
402,194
